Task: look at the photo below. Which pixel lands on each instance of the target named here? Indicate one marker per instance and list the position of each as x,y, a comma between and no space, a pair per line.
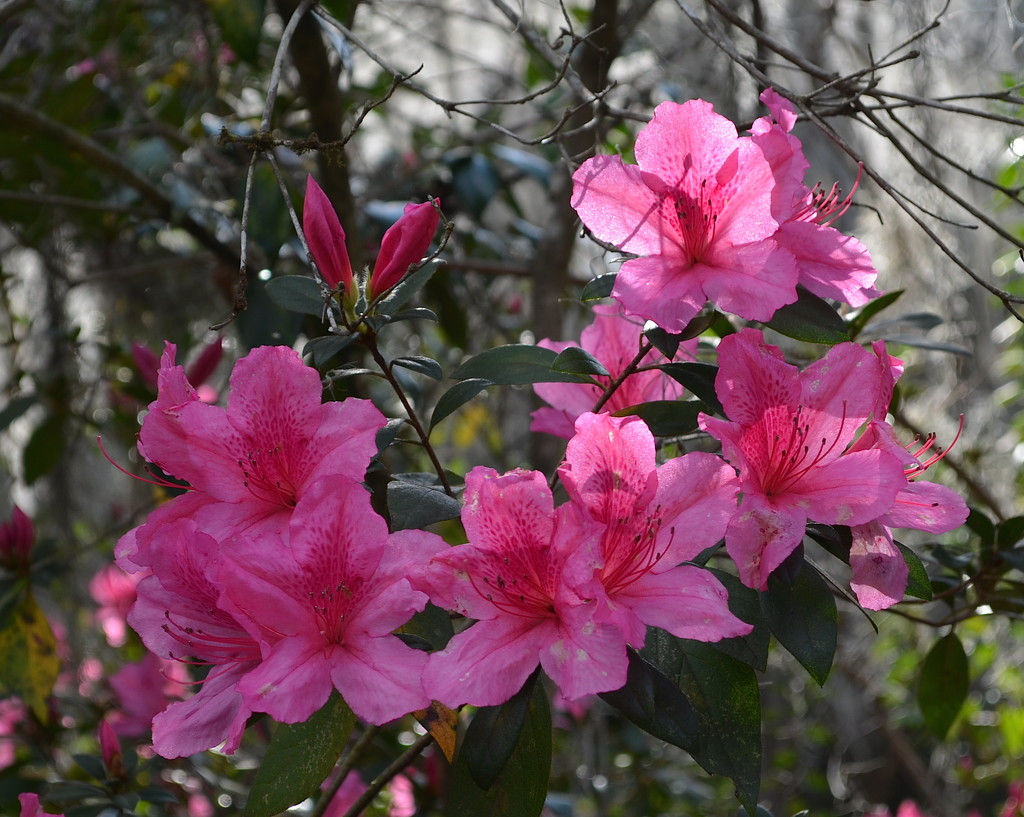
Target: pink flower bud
110,749
325,237
146,363
205,365
17,536
405,243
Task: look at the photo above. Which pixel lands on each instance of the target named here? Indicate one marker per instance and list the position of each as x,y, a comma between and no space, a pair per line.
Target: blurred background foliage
128,127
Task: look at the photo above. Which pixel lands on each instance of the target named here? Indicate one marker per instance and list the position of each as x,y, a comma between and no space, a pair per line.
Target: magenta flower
788,435
114,591
30,806
334,597
202,368
697,209
248,464
653,519
830,264
614,340
513,578
142,690
17,536
178,615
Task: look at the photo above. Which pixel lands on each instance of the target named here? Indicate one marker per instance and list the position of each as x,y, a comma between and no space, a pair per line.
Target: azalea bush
358,579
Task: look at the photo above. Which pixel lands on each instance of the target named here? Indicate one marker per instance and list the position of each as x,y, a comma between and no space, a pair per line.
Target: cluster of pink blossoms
274,570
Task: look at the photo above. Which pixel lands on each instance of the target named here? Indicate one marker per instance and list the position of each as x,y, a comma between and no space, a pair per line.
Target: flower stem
634,364
379,782
343,770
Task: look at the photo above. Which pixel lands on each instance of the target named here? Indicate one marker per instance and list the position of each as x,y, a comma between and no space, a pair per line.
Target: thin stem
370,341
379,782
645,347
282,48
342,771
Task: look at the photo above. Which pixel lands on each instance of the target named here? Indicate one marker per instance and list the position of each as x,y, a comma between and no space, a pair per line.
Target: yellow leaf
440,723
28,657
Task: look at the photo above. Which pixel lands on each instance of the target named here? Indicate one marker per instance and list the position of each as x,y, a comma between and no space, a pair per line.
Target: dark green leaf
575,360
725,695
919,320
654,702
421,364
859,319
154,794
984,527
296,293
414,506
403,292
70,791
386,435
349,370
241,22
93,810
1009,533
809,319
918,585
699,380
456,397
837,540
493,734
92,766
299,758
417,313
475,181
1013,557
14,409
667,418
323,349
745,604
802,616
522,784
943,684
598,288
44,449
515,365
432,624
664,342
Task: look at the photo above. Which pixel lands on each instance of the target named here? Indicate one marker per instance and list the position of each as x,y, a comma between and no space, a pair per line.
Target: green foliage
943,684
810,319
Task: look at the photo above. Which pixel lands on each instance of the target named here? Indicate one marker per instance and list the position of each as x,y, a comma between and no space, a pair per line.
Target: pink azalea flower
142,690
653,519
830,264
114,591
247,464
333,597
12,713
30,806
614,340
513,578
148,366
880,572
788,436
178,614
697,209
352,788
326,238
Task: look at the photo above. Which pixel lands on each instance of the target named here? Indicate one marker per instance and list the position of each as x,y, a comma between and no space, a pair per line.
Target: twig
342,771
379,782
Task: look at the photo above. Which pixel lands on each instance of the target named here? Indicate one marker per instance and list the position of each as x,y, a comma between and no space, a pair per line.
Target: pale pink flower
614,340
12,714
653,519
788,436
114,591
830,264
333,598
352,788
512,577
697,209
403,797
142,690
247,464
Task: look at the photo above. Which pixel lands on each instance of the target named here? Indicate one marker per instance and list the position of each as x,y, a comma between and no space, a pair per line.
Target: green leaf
725,695
810,319
599,287
15,408
918,584
515,365
432,624
418,313
456,397
296,293
654,702
1009,533
240,22
575,360
665,342
858,320
522,785
933,345
699,380
404,290
414,505
943,684
420,364
44,449
299,758
323,349
801,613
667,418
745,604
28,657
493,734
